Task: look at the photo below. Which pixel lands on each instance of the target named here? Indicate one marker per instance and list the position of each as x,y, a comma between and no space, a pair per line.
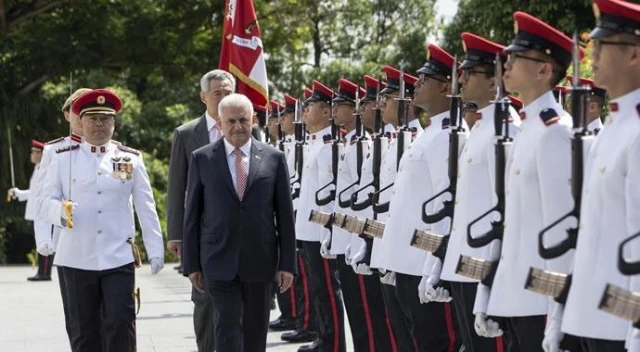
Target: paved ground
31,316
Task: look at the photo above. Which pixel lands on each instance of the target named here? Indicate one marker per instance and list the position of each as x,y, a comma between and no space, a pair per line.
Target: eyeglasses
423,79
511,58
102,119
469,72
598,43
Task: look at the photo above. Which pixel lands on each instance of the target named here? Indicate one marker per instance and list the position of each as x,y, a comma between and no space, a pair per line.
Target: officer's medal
122,170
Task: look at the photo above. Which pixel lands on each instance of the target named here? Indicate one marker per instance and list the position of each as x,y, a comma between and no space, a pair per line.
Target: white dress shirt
213,128
231,158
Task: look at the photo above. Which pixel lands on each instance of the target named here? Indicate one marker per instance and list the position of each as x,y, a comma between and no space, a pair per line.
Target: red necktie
241,173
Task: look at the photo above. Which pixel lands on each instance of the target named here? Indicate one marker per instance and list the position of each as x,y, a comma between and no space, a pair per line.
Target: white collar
594,125
621,107
389,128
211,122
437,120
414,123
246,148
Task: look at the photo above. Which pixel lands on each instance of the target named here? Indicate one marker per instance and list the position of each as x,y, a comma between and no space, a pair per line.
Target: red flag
241,52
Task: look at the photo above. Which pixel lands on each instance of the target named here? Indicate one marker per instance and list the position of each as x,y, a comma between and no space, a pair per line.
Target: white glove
347,254
362,269
552,338
422,288
63,215
433,294
13,192
325,252
636,333
486,327
633,343
389,278
156,264
357,258
46,248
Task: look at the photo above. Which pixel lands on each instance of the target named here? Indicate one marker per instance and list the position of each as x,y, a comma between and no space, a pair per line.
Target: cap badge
101,99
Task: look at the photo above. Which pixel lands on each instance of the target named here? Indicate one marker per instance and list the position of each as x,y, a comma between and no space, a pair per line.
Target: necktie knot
238,152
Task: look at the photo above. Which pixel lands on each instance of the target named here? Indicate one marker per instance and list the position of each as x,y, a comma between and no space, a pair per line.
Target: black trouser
307,317
99,308
203,321
240,314
431,325
524,334
403,340
326,295
598,345
44,265
365,309
464,296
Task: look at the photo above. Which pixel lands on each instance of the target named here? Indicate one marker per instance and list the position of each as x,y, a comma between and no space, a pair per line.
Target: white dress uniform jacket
306,230
422,172
610,203
290,157
475,192
388,172
538,183
347,177
595,126
29,194
103,219
367,176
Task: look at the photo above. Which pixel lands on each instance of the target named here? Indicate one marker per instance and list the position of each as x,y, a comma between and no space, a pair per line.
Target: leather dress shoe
315,346
39,278
298,336
282,324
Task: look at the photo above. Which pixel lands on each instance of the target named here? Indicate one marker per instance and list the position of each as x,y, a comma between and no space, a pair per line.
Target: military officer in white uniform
422,167
95,255
324,286
537,183
307,320
29,195
610,194
474,190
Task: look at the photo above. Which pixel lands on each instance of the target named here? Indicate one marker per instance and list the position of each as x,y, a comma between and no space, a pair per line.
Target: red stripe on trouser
367,313
292,296
499,345
46,264
334,307
392,337
305,289
450,331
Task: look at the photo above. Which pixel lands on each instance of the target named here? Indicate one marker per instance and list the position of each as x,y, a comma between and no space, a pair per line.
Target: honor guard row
484,228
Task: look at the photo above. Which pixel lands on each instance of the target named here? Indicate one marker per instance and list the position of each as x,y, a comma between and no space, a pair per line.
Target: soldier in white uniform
537,184
596,103
324,286
95,253
422,167
29,195
381,296
610,194
474,191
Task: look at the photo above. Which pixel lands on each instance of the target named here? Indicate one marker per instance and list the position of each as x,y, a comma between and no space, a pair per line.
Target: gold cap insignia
548,51
464,46
596,11
428,54
515,27
101,99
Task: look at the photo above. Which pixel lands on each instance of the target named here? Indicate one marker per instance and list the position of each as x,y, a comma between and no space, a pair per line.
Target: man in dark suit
239,228
214,86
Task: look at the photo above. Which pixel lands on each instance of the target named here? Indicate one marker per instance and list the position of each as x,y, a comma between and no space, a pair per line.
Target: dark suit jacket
186,138
225,237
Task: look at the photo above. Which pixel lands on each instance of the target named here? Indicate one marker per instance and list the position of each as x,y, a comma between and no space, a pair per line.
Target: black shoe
39,278
282,324
315,346
177,267
298,336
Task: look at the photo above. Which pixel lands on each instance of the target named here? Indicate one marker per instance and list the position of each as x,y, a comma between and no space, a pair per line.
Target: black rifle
455,125
336,144
301,143
403,133
361,138
280,133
